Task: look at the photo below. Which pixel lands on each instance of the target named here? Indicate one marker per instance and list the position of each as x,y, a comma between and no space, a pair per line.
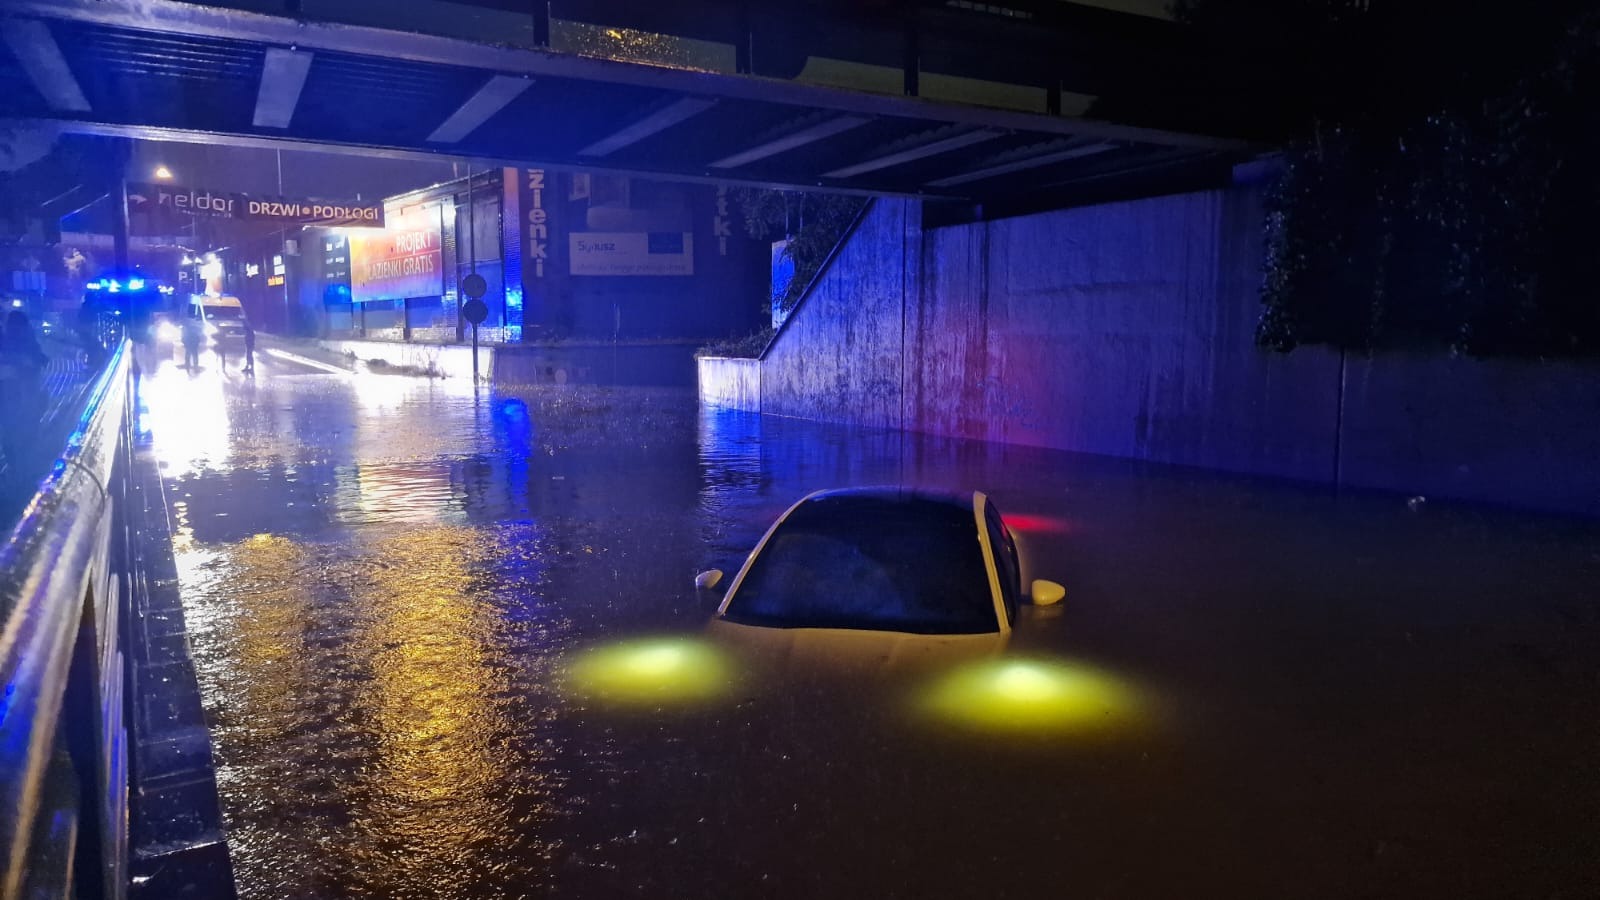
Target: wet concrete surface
396,591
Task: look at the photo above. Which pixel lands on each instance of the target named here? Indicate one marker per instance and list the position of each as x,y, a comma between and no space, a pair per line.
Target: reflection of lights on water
433,701
512,410
419,493
379,393
188,418
382,391
652,670
1035,696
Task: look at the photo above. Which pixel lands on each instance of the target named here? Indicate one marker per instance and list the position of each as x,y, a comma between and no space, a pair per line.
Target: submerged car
880,572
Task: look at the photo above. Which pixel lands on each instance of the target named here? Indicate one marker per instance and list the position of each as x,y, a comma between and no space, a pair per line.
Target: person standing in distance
194,334
249,348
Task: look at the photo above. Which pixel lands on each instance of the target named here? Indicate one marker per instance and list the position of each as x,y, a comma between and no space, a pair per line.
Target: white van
222,318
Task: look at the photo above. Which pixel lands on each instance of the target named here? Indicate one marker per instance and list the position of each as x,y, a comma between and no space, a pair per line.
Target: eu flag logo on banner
665,242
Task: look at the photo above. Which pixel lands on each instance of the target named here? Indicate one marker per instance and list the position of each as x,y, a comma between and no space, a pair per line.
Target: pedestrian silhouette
249,348
89,328
194,335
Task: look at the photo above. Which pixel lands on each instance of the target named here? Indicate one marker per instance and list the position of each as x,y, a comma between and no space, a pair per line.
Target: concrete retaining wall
657,363
838,357
452,360
1128,329
1507,431
1102,330
733,383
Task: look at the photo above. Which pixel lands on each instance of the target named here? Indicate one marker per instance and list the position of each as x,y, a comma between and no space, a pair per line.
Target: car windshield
224,313
909,565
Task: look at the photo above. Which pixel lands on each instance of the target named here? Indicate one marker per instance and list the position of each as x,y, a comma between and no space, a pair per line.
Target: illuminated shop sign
162,199
536,242
404,260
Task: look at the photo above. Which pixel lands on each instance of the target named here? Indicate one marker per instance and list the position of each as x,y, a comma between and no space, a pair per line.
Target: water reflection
191,417
410,493
387,595
434,792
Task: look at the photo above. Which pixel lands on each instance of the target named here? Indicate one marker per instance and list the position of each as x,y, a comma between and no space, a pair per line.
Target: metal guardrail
63,734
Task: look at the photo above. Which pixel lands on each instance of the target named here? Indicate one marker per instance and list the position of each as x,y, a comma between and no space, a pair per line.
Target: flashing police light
133,284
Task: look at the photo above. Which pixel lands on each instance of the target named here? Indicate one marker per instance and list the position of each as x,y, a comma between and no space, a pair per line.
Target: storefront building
566,256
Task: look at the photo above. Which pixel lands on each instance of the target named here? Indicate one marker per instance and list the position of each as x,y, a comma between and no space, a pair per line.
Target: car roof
215,301
896,494
967,502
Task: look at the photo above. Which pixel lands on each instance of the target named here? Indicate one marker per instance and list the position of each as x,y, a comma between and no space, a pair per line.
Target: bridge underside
169,70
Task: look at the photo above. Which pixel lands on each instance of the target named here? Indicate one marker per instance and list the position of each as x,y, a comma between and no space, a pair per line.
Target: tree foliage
814,223
1438,180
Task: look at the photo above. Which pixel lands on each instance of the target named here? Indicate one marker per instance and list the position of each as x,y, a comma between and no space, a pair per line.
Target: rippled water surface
450,647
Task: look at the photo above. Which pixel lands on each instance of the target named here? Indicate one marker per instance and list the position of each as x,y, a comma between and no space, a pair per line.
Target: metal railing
63,732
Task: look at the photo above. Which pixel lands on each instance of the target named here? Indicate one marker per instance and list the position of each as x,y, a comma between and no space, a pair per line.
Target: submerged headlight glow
652,671
1028,696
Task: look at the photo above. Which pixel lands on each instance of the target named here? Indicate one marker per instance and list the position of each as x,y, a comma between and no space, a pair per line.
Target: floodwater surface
450,647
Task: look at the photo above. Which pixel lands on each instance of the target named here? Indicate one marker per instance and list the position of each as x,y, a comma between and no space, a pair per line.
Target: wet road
400,595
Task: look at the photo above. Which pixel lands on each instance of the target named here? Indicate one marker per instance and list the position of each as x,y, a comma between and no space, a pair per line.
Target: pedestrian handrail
63,753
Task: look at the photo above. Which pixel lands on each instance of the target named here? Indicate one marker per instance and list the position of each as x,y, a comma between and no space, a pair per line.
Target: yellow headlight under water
652,671
1024,696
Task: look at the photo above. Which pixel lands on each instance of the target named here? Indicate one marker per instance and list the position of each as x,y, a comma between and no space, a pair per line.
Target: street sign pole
474,311
474,285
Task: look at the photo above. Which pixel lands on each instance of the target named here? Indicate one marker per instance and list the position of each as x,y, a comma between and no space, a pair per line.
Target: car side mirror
1047,593
708,579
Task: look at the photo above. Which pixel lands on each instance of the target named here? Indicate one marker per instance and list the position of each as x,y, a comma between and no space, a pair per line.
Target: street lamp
163,173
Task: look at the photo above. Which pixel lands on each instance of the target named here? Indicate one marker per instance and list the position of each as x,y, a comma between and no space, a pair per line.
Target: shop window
484,222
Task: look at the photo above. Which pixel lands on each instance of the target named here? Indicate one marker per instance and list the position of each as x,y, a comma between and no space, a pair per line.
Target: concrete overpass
960,100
